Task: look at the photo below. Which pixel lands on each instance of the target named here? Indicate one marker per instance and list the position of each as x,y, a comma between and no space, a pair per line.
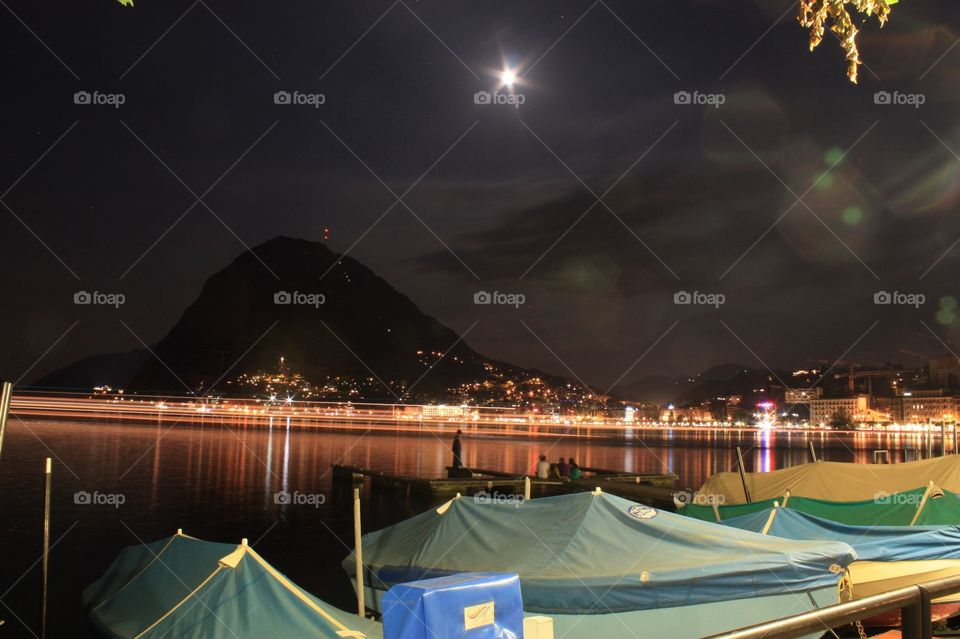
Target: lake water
219,482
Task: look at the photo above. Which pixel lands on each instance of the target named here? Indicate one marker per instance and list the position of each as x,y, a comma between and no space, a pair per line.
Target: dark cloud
496,200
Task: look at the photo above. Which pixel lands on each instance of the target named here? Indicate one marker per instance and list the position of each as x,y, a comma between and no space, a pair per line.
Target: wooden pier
648,488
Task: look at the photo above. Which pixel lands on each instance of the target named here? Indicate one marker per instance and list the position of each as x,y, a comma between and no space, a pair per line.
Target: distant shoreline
403,419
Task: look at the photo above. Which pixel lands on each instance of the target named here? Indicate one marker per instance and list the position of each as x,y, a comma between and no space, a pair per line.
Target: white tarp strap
343,631
923,502
182,601
773,513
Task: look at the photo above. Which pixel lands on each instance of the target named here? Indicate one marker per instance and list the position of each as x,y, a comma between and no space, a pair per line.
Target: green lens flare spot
948,303
946,317
833,156
852,215
825,181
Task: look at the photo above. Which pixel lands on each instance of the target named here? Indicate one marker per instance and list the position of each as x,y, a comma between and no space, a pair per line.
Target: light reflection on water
219,482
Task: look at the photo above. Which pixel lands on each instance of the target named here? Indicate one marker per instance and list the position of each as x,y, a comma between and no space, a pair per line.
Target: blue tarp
594,554
872,543
475,605
181,587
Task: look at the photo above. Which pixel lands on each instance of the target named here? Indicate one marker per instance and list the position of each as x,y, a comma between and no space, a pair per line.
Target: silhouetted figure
563,469
574,470
458,450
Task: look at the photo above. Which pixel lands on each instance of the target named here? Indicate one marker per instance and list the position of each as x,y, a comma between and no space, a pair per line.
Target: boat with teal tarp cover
186,587
600,565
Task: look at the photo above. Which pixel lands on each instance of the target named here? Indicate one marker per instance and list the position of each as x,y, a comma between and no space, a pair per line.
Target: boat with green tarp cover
186,587
930,506
603,566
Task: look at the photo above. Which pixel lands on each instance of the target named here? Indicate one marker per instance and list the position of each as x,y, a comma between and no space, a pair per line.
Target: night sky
494,197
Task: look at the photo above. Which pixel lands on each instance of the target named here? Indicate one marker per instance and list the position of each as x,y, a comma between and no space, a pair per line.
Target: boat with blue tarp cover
600,565
890,556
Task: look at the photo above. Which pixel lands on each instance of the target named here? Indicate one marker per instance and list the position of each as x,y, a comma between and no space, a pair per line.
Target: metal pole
358,553
943,439
46,546
5,396
743,475
813,452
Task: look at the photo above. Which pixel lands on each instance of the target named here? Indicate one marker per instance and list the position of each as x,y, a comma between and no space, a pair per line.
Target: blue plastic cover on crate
461,606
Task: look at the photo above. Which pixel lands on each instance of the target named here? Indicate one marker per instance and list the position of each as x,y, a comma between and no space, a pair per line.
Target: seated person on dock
574,470
543,468
563,471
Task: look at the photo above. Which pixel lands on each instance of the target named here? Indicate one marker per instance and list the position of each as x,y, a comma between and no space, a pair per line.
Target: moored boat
837,481
186,587
890,556
929,506
600,565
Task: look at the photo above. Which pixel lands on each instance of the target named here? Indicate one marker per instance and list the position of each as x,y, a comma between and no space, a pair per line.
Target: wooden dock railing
912,601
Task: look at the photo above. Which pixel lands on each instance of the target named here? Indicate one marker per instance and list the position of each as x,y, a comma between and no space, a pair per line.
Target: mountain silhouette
327,314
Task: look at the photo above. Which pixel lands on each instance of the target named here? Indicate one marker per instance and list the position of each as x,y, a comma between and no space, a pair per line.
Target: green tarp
941,507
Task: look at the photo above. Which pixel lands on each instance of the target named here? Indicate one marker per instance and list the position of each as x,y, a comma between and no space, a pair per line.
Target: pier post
743,475
46,545
357,553
526,489
5,396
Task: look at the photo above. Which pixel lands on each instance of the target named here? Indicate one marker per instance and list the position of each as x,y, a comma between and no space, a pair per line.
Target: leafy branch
817,15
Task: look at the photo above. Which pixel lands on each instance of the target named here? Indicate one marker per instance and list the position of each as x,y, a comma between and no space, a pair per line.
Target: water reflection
218,481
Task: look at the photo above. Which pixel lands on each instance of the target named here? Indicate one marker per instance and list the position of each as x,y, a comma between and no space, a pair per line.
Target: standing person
458,450
574,470
543,468
563,469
